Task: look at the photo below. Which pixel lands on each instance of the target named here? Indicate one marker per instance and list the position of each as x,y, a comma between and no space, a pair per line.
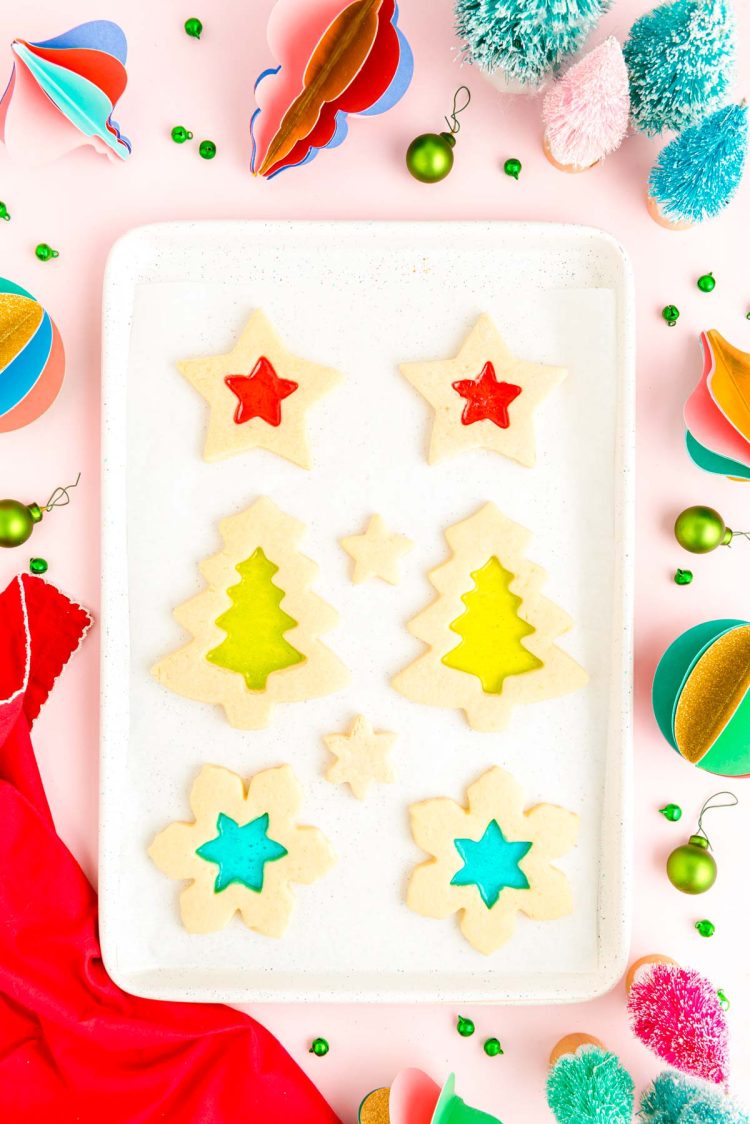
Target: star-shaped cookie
485,398
361,757
258,394
376,553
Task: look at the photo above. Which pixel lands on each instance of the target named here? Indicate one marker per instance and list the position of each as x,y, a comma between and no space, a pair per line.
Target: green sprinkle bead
707,283
193,27
723,1001
180,134
207,149
465,1027
705,928
45,252
319,1047
492,1047
38,565
4,214
671,314
512,167
671,812
683,577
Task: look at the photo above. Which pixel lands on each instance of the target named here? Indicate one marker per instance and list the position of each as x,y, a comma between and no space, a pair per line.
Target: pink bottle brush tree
586,112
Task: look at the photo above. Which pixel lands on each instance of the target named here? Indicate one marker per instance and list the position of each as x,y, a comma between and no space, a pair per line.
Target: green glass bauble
193,27
707,283
492,1048
38,565
207,149
319,1047
180,134
671,314
691,868
429,157
465,1027
512,167
45,252
17,521
671,812
701,529
705,928
4,214
683,577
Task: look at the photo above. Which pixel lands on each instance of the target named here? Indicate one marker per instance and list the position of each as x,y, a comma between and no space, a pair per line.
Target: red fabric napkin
73,1046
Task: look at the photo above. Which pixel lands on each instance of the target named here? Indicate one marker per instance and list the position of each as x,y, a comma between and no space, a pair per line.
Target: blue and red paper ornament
62,93
717,413
335,58
701,696
32,358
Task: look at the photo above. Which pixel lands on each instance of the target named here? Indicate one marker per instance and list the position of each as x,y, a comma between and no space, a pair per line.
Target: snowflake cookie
491,860
491,634
361,757
258,394
256,628
242,851
485,398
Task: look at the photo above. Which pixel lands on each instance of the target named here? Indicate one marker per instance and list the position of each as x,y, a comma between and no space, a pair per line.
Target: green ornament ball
701,529
705,928
512,167
691,868
492,1047
180,134
465,1027
707,283
671,812
207,149
671,314
4,213
429,157
38,565
45,252
319,1047
193,27
683,577
17,521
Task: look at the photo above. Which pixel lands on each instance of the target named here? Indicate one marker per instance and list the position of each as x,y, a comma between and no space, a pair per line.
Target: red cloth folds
74,1046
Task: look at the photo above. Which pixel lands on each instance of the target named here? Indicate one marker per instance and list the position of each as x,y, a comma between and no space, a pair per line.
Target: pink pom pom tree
586,112
676,1013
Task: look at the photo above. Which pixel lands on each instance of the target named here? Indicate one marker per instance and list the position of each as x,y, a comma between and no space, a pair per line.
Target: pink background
83,203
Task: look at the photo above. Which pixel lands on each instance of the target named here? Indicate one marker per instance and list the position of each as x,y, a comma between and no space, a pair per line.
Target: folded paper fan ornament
334,58
32,358
717,414
700,696
62,93
414,1098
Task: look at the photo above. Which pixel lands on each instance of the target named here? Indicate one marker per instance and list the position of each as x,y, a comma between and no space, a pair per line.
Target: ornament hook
61,495
709,807
452,121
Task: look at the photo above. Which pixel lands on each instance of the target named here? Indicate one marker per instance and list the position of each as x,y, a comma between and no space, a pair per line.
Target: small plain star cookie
361,757
376,553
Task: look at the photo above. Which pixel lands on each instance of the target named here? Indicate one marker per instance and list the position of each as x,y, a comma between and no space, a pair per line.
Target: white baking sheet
362,297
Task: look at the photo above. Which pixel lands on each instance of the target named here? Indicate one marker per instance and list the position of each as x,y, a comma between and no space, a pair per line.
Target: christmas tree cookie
258,394
485,398
491,860
241,851
256,628
490,632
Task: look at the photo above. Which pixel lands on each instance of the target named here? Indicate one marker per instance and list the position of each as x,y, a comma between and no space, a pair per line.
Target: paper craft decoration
484,398
700,696
335,57
376,553
256,628
491,860
491,634
32,358
258,394
242,851
361,757
414,1098
62,93
717,413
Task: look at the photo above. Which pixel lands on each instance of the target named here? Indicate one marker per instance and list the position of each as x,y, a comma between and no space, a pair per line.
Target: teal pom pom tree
674,1098
525,40
697,174
680,58
590,1087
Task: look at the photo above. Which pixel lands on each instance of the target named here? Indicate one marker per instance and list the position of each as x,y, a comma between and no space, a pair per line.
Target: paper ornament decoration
62,93
586,112
697,174
414,1098
32,358
334,58
700,696
717,413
